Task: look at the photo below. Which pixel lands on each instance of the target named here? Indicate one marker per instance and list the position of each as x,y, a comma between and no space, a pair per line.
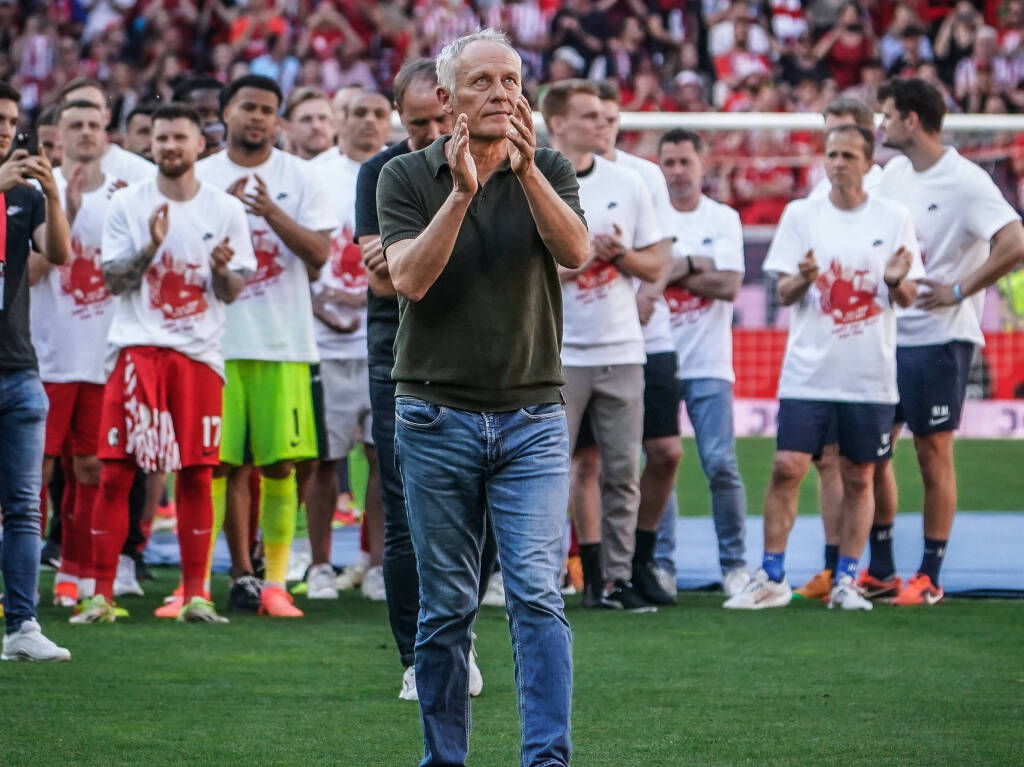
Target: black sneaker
646,583
593,597
50,555
259,564
245,594
142,571
627,598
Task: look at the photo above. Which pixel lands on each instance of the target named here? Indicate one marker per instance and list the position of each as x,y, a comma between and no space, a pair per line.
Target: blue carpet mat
984,556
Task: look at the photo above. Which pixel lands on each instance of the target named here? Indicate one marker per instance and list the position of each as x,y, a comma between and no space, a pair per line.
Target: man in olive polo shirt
474,228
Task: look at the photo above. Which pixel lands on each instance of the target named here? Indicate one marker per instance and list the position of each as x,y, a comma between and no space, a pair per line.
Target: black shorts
932,382
585,436
863,429
661,396
661,401
316,383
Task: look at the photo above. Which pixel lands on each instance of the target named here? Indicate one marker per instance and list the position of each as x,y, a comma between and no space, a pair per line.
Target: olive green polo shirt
487,335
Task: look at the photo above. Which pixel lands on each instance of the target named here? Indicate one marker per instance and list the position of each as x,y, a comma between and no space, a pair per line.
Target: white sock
86,588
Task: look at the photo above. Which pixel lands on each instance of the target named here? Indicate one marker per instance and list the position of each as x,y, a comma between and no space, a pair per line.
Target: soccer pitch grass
691,685
989,473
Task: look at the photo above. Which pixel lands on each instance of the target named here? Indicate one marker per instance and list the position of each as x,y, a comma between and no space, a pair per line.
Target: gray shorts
346,386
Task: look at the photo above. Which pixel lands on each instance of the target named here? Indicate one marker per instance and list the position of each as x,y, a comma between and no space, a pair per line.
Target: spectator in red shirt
763,186
847,46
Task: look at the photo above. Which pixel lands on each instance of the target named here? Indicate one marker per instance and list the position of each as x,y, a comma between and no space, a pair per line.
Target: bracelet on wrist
618,256
894,285
958,293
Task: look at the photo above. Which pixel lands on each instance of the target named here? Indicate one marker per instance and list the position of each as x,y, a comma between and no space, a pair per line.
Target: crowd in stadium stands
664,55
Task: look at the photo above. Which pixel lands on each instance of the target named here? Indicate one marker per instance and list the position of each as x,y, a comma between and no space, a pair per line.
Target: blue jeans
665,540
400,580
462,471
709,407
23,407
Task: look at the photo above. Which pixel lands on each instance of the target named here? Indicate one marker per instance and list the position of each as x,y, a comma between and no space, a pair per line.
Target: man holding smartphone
25,214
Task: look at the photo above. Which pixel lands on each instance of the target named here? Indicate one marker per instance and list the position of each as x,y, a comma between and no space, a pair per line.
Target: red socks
195,522
70,553
85,502
110,522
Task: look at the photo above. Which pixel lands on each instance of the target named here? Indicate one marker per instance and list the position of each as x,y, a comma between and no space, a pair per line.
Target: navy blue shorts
864,430
932,381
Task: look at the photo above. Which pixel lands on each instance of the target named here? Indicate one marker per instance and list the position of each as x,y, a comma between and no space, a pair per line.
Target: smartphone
27,140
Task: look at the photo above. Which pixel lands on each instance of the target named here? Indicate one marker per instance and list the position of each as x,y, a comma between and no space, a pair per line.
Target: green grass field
692,685
990,476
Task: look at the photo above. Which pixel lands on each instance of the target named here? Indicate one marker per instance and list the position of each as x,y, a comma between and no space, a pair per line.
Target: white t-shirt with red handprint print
343,272
272,319
71,309
842,333
175,306
702,327
600,321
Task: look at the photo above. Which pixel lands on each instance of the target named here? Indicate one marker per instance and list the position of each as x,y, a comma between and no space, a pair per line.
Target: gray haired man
474,228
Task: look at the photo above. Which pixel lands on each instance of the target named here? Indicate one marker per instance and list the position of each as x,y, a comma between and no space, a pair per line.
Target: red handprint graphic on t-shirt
176,288
848,295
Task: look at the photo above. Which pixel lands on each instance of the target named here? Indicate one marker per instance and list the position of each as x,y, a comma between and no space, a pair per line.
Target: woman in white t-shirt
844,262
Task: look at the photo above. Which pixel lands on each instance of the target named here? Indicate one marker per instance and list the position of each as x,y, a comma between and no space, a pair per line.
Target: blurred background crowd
664,55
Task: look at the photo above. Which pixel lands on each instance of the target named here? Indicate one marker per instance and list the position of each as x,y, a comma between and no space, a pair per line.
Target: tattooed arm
227,284
126,274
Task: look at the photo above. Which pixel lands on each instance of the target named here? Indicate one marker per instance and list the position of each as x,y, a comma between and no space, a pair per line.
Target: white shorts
346,385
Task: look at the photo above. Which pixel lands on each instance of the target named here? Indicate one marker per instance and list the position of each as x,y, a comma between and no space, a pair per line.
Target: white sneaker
667,580
476,679
28,643
846,596
495,594
373,584
320,582
408,691
761,593
300,558
125,581
351,577
735,581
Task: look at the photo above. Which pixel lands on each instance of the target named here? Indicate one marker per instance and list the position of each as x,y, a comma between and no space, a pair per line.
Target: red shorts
161,410
74,417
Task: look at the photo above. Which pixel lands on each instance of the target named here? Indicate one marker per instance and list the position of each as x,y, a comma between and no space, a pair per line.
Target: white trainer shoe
408,691
476,679
28,643
300,558
760,593
846,596
320,582
667,580
495,594
734,581
351,577
125,581
373,585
